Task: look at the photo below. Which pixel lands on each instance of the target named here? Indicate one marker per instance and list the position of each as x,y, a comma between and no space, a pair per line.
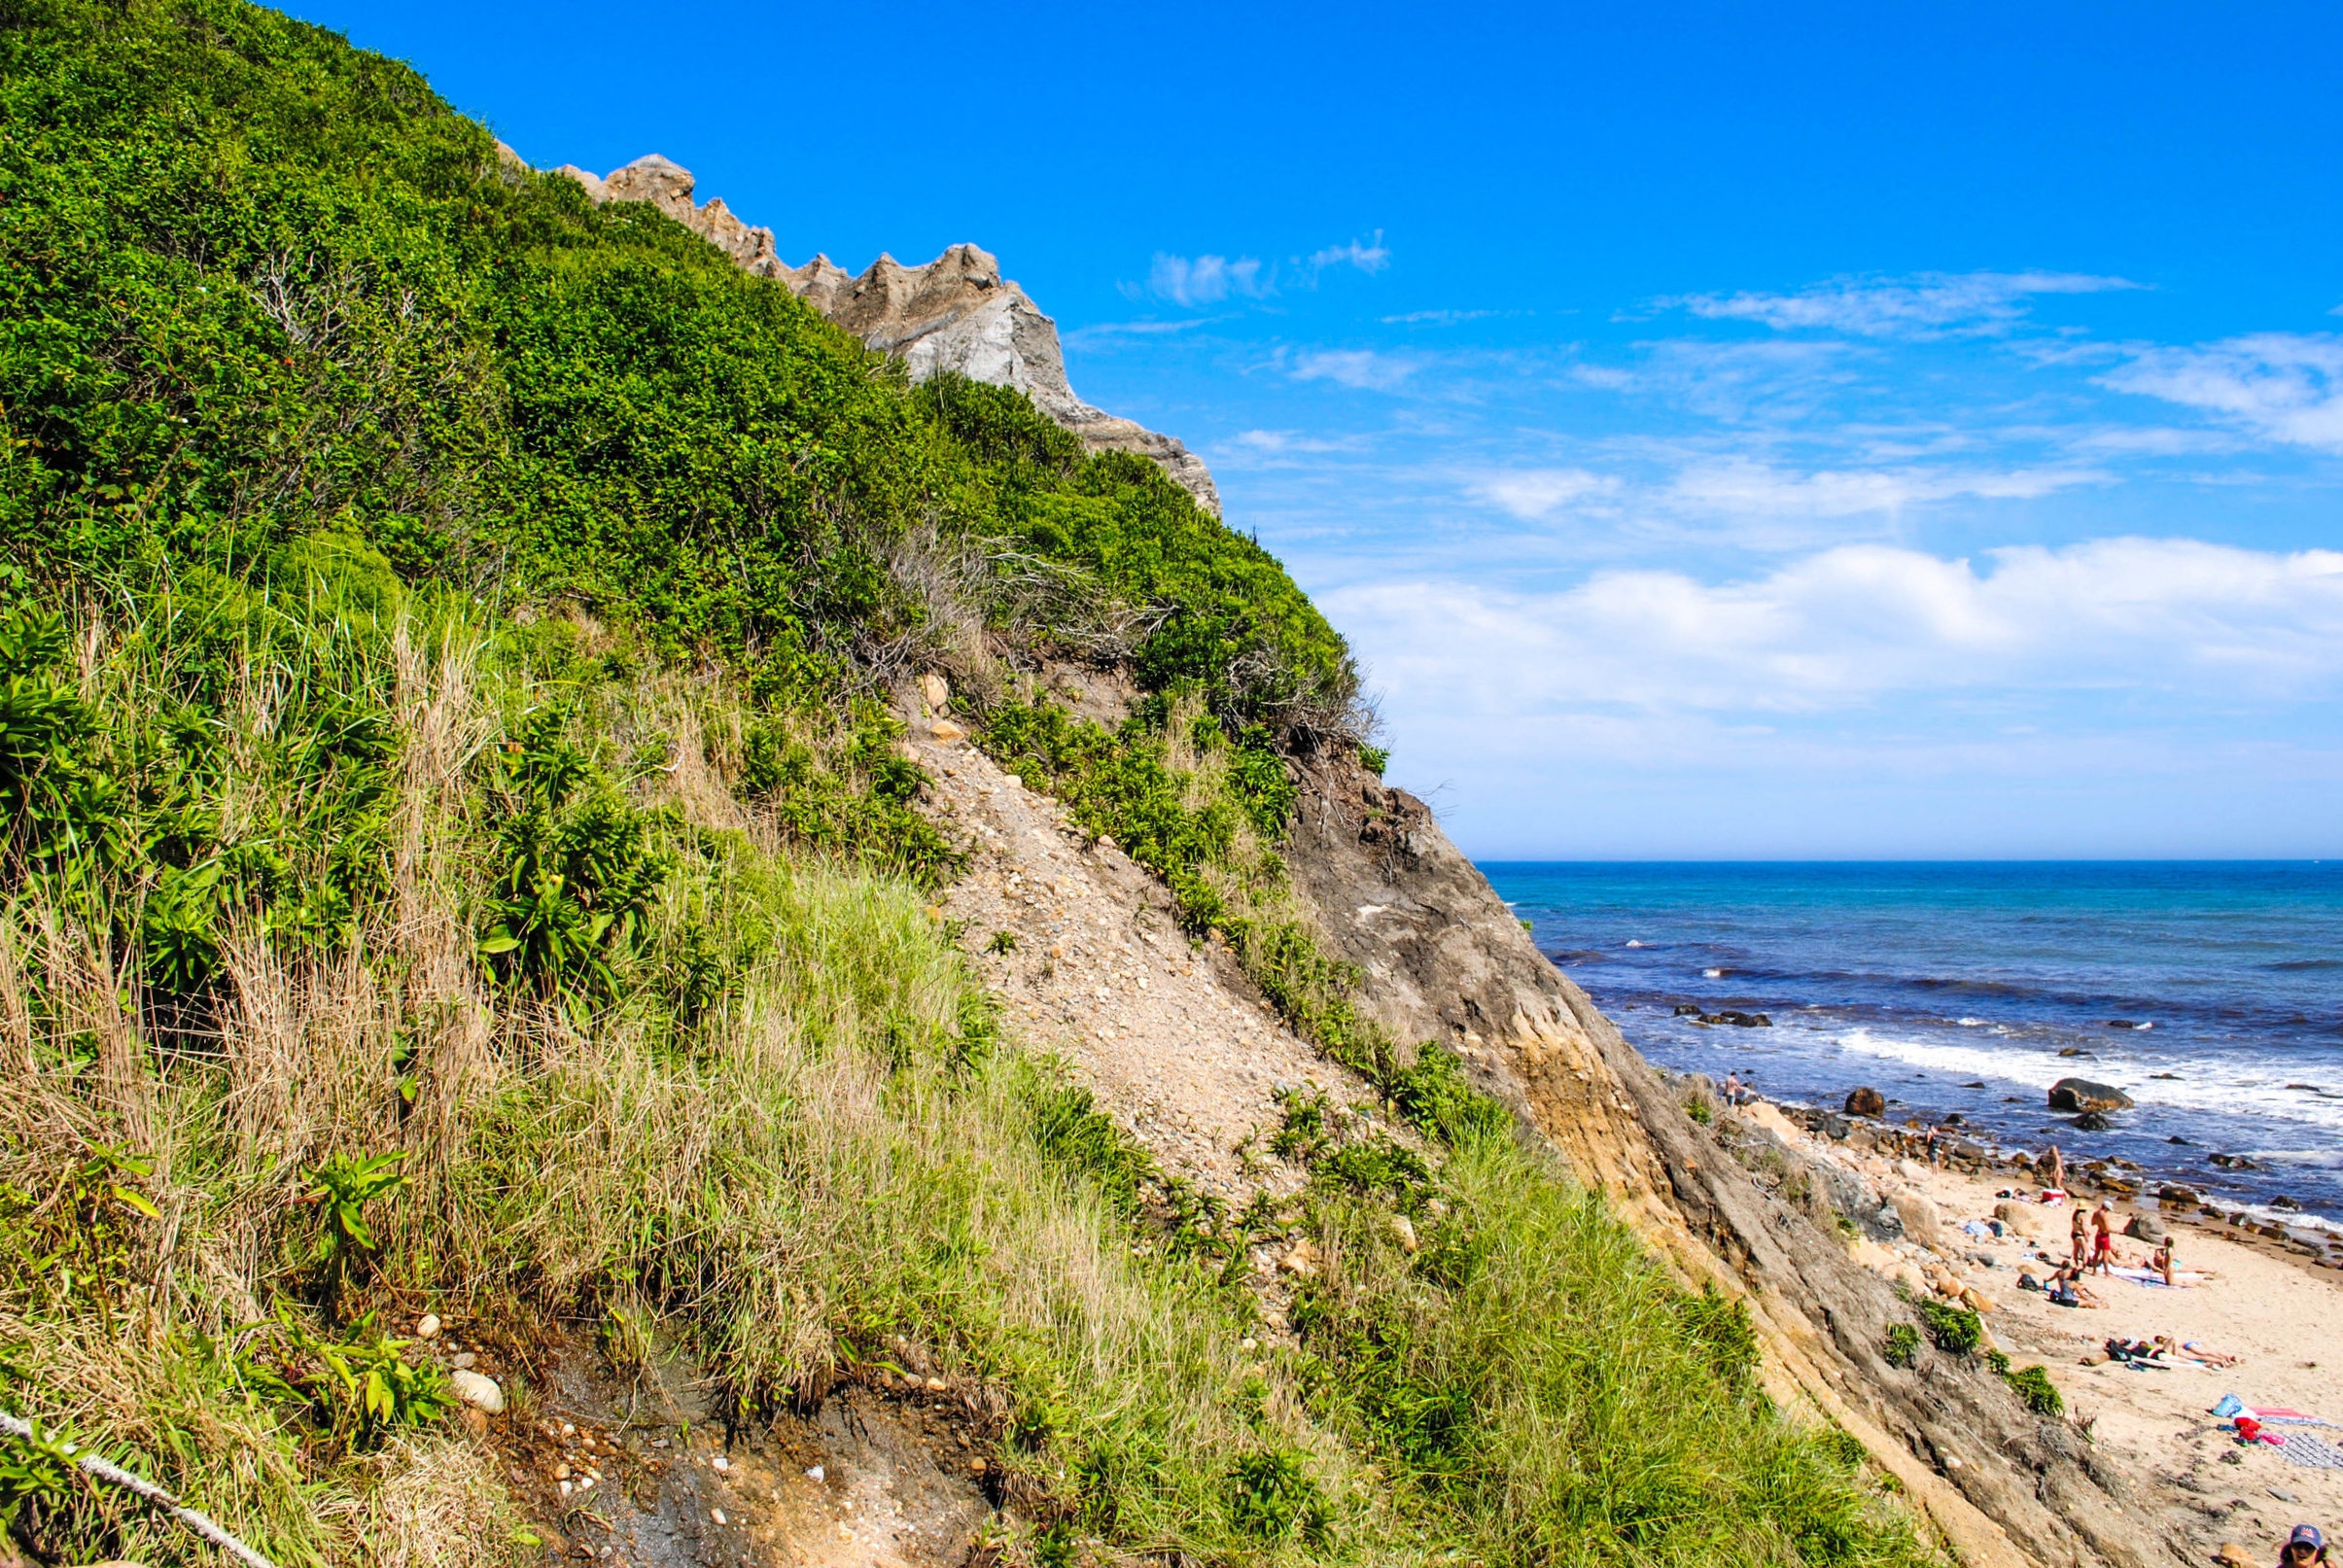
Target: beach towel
2311,1453
2287,1417
2154,1279
2230,1404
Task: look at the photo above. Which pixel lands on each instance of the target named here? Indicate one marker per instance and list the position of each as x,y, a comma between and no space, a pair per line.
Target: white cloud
1533,493
1926,304
1436,318
1852,626
1368,258
1744,488
1285,443
1363,369
2281,385
1205,280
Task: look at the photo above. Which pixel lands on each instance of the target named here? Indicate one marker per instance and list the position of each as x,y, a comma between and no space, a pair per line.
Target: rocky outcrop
1446,961
2083,1095
957,313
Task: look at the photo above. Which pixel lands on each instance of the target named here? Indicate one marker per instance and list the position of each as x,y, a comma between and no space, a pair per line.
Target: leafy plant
1274,1497
342,1187
1903,1349
1956,1330
1002,943
2034,1388
38,1473
360,1388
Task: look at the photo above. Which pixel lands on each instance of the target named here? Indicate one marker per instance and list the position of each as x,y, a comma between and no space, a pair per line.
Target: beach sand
2279,1312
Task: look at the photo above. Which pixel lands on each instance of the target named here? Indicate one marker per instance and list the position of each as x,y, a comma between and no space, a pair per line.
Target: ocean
2210,991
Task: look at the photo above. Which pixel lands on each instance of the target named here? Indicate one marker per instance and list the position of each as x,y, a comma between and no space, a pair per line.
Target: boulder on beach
2146,1227
1865,1102
2083,1095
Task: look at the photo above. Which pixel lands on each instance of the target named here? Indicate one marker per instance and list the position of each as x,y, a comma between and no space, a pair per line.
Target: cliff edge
957,313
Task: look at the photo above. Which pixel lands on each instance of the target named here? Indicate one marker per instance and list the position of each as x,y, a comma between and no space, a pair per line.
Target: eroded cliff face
1446,961
956,313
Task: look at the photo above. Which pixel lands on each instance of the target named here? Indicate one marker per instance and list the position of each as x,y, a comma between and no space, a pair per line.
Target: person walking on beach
2103,1249
2081,1235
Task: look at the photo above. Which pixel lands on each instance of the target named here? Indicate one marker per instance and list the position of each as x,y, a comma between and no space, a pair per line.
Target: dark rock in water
2171,1192
1746,1020
1688,1010
2122,1024
2231,1161
2147,1228
1952,1118
2091,1122
2083,1095
2170,1077
2283,1202
1865,1102
1979,1084
2177,1138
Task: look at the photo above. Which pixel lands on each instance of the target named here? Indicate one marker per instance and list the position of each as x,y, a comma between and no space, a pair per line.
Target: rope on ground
115,1474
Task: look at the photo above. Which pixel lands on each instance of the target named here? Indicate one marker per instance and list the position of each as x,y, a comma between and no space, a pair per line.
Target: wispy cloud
2280,386
1204,280
1288,442
1107,330
1530,494
1370,258
1435,317
1850,626
1926,304
1363,369
1746,488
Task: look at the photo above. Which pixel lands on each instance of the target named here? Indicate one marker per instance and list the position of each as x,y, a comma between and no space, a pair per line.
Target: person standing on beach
2103,1250
2082,1237
2053,1171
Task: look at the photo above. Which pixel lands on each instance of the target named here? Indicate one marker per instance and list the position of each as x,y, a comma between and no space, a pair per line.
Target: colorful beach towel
2285,1416
2149,1277
2311,1453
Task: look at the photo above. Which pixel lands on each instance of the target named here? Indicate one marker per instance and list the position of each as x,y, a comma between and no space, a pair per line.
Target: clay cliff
955,314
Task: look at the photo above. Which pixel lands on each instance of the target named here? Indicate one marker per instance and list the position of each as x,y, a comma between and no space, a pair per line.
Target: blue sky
1784,431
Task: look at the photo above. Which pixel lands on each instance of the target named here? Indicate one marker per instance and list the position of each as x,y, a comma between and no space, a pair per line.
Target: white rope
194,1520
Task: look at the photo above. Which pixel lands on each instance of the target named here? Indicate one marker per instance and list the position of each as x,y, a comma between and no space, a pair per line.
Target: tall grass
785,1137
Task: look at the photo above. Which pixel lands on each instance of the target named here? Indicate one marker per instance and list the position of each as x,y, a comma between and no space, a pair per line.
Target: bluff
1442,962
627,931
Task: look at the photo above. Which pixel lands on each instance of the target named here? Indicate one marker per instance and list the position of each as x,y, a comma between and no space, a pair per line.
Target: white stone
479,1391
427,1326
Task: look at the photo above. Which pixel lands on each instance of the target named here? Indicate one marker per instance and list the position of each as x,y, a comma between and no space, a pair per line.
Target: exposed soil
631,1472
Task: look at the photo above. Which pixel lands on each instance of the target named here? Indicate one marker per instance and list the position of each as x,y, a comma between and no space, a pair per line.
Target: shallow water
2211,993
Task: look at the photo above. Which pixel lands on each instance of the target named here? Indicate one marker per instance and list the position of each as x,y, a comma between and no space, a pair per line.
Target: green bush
1956,1330
2034,1387
1903,1347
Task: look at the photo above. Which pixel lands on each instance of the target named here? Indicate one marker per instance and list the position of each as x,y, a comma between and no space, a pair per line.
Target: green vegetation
1955,1330
2034,1387
457,853
1903,1347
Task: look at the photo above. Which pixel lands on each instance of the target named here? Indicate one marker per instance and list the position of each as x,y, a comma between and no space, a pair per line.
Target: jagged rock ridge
956,313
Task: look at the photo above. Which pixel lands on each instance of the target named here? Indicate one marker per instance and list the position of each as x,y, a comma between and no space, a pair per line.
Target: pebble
814,1473
482,1393
936,1385
427,1326
720,1462
465,1362
976,1467
718,1515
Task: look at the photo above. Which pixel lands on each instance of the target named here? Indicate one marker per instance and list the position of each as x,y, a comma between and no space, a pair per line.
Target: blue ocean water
2211,992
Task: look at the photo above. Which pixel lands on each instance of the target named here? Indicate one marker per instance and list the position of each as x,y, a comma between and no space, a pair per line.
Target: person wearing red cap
2305,1547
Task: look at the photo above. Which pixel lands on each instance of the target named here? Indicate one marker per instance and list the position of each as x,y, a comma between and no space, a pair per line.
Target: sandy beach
2258,1299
